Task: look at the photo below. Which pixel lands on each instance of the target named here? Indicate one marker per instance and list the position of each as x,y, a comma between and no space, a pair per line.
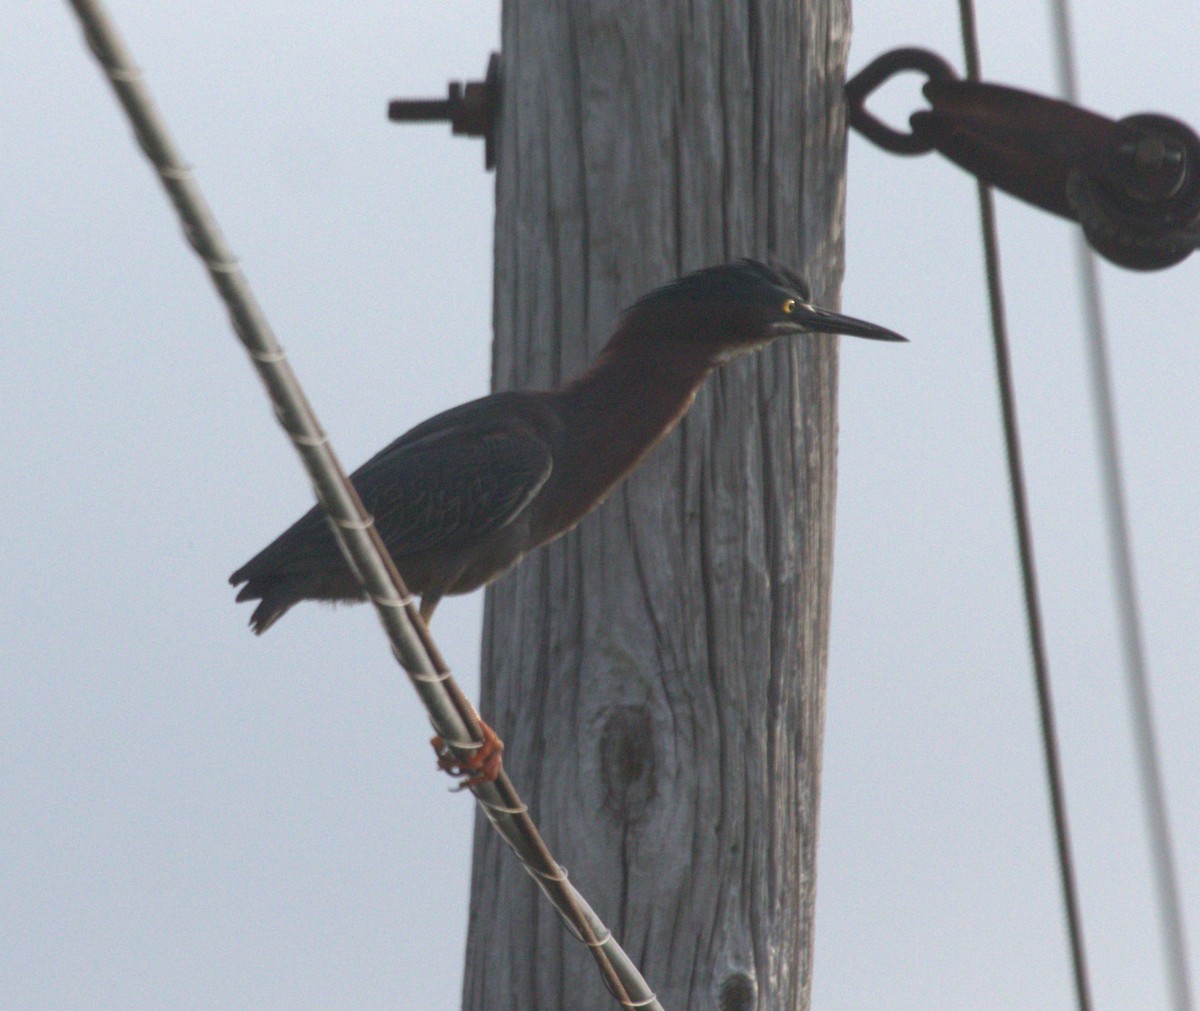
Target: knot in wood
738,992
627,761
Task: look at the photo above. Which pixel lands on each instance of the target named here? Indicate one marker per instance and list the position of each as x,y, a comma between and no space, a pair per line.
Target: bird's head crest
751,304
746,281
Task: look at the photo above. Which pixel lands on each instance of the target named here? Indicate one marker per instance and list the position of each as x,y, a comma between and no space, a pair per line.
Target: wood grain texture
658,674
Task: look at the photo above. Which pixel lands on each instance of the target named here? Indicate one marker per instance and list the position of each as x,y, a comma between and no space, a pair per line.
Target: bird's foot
482,766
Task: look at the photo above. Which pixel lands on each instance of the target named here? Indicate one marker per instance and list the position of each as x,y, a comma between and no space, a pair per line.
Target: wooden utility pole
658,674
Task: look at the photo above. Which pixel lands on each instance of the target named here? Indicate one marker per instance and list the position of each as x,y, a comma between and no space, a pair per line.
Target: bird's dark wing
449,487
451,480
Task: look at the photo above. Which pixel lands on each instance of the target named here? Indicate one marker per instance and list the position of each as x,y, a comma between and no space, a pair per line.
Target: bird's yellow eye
789,306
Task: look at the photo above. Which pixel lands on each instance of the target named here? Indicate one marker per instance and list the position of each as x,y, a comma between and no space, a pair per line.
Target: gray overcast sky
196,818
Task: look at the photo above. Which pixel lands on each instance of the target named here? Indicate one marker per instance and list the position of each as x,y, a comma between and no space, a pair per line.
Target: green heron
465,495
468,493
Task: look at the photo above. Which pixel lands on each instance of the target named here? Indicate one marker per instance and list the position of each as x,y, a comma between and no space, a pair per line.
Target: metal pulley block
1132,184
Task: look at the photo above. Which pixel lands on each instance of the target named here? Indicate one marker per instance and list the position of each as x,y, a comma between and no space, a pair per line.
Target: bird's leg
483,765
428,603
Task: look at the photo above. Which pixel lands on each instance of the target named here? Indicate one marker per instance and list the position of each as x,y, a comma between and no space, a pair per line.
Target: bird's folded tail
302,563
275,597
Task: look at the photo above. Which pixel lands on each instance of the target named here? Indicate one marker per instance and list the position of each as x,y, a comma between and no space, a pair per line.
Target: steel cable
1016,472
451,712
1120,547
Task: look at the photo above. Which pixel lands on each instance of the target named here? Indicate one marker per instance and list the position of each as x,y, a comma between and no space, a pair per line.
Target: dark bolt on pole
469,108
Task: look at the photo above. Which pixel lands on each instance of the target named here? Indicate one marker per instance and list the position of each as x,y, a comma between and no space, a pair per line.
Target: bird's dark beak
809,319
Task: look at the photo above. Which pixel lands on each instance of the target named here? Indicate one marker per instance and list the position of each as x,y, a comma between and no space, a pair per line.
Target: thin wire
1116,516
1016,473
449,709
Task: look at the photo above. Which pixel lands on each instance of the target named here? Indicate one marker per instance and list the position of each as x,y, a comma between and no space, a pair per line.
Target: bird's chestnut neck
692,335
